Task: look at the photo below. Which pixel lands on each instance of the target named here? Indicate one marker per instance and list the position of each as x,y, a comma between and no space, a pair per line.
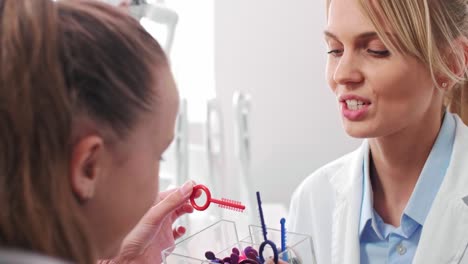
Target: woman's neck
396,161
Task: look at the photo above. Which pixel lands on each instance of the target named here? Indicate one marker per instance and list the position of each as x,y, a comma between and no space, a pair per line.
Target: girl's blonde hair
434,32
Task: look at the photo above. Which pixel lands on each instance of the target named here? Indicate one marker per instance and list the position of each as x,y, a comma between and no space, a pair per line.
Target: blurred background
256,112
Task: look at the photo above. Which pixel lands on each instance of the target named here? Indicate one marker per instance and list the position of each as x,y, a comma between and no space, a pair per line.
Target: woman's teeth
354,104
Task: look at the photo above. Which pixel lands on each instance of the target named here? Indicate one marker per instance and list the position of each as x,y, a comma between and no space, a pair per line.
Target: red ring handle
208,197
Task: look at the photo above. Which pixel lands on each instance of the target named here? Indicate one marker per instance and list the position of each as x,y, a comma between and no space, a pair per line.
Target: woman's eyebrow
364,35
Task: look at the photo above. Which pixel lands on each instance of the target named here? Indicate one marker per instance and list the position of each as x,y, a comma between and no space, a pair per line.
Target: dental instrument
266,242
223,202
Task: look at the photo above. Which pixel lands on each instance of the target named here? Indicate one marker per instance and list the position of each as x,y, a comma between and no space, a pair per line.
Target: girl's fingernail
187,188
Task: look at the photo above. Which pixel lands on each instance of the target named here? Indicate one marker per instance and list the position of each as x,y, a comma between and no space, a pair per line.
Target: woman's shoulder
462,128
312,203
461,139
320,179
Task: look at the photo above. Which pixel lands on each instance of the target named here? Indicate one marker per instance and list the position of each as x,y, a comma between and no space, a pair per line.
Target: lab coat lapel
445,234
444,237
347,183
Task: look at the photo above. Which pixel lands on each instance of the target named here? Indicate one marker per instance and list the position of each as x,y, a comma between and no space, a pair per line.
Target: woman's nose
347,70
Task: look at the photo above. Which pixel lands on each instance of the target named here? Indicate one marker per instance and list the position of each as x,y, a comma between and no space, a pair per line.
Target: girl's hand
154,232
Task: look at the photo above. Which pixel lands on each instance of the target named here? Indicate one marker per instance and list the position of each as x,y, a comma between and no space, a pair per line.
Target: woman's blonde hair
60,61
431,31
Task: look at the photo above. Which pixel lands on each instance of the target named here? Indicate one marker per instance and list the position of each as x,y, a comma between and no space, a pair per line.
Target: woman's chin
357,131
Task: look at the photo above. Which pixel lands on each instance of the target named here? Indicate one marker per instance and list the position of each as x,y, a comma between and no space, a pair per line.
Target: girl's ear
86,165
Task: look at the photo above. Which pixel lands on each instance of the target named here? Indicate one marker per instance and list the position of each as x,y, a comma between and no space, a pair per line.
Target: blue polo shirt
384,243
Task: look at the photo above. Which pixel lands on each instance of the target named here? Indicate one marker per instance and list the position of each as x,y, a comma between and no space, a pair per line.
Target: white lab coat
327,205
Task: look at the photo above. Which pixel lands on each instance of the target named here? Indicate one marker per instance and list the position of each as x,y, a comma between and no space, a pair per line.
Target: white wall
275,50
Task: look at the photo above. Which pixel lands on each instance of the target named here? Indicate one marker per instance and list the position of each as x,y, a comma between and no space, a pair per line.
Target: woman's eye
335,52
379,53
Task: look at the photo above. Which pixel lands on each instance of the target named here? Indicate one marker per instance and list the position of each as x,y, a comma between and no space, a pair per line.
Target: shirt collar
432,173
367,212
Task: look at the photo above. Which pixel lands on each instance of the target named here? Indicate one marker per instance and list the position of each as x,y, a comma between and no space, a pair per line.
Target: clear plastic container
221,237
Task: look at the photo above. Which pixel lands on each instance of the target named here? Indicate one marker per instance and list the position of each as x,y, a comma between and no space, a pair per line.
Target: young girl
402,197
87,107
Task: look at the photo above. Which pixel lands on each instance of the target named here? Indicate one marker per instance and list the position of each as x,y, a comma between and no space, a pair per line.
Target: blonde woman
87,107
402,197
